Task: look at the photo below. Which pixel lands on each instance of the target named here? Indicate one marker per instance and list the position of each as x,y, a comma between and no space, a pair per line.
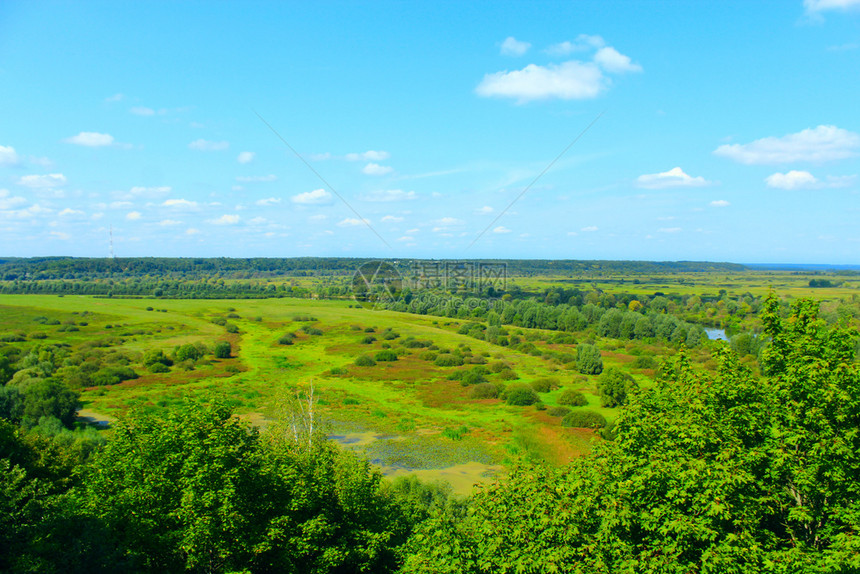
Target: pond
716,334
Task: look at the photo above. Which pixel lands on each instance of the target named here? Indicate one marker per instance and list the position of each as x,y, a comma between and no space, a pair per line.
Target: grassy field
420,418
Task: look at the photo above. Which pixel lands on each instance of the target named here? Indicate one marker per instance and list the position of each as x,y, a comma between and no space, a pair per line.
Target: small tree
613,387
223,350
588,360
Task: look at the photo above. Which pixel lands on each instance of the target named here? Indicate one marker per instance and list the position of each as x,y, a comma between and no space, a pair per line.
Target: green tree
588,359
613,386
223,349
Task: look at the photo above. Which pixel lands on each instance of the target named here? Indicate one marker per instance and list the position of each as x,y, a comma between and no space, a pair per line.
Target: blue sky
730,131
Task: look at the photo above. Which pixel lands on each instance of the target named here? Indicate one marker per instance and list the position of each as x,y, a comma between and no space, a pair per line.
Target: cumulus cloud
719,203
169,222
192,231
143,111
793,179
225,220
392,219
114,98
90,139
567,81
669,230
133,215
571,80
269,201
675,177
245,157
448,221
8,156
318,217
376,169
69,212
352,222
406,238
589,229
145,192
613,61
513,47
501,229
60,235
369,155
180,203
384,195
824,143
486,210
206,145
255,178
48,181
314,197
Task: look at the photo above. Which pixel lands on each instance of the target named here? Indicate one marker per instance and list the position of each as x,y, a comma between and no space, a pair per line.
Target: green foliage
153,356
188,352
572,398
386,355
724,473
544,384
613,387
588,359
484,391
364,361
223,350
158,368
557,411
584,418
448,360
472,377
113,376
286,339
368,340
520,395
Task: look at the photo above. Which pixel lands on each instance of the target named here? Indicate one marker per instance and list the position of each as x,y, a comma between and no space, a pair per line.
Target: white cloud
583,42
91,139
513,47
572,80
97,216
8,156
824,143
589,229
180,203
615,62
391,219
206,145
720,203
376,169
369,155
142,111
225,220
486,210
448,221
146,192
48,181
120,204
60,235
412,231
69,212
245,157
192,231
114,98
133,215
169,222
406,238
352,222
253,178
314,197
385,195
501,229
318,217
269,201
822,5
319,156
669,230
793,179
675,177
9,202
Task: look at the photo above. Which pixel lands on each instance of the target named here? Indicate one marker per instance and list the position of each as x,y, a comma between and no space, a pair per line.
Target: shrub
364,361
231,328
472,378
520,396
572,398
389,335
386,355
428,356
584,419
544,384
158,368
223,349
113,376
188,352
644,362
370,330
613,386
557,411
588,360
286,339
448,361
338,371
484,391
369,339
508,375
